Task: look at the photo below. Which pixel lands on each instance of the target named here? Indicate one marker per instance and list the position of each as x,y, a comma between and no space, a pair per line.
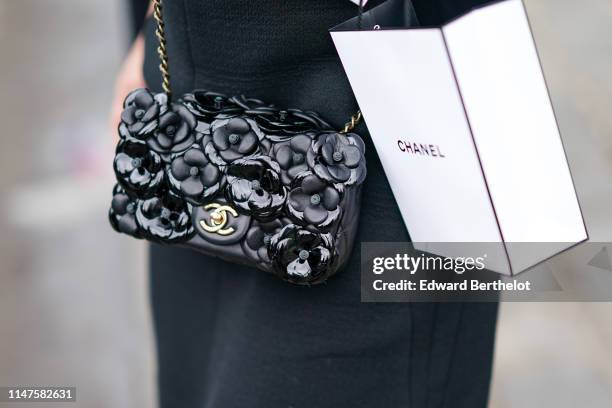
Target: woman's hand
130,77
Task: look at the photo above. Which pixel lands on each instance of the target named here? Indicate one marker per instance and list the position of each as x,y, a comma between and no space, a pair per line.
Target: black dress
230,336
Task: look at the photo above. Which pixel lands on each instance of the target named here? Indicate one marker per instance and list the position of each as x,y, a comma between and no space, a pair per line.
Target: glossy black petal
165,219
140,114
207,106
338,158
233,139
312,201
138,169
254,187
175,132
194,177
259,237
291,156
122,214
301,256
281,125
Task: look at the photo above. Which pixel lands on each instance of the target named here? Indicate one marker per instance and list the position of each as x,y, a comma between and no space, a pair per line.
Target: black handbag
233,177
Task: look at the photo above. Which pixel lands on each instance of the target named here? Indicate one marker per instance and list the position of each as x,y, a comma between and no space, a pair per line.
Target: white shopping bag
456,103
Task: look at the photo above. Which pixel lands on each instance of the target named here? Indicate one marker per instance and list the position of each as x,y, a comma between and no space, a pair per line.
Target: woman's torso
230,336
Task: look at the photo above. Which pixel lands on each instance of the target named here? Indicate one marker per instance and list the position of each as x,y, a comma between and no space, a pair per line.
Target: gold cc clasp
218,219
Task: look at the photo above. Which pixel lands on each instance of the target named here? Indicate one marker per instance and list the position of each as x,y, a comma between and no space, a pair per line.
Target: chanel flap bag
234,177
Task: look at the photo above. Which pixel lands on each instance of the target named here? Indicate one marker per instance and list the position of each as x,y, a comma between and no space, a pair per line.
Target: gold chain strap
160,32
162,50
349,126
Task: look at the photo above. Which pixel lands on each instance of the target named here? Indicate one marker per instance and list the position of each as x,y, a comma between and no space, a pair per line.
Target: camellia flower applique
193,176
338,158
240,179
254,187
138,169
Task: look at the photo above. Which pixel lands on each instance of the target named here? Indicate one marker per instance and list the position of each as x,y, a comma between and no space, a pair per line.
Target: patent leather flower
138,169
140,114
122,214
281,124
301,256
254,187
314,202
208,105
259,236
175,132
233,139
193,176
165,219
291,156
338,158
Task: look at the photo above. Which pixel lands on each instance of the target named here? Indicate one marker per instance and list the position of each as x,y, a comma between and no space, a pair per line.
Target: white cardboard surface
474,91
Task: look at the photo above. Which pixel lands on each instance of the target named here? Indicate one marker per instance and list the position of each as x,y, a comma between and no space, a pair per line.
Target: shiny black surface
193,176
301,256
266,186
165,219
314,201
122,214
138,169
259,236
254,187
338,158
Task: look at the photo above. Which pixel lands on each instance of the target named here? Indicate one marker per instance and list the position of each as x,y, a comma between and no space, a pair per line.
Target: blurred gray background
72,313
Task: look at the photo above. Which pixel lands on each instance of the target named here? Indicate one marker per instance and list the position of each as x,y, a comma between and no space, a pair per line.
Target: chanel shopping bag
456,103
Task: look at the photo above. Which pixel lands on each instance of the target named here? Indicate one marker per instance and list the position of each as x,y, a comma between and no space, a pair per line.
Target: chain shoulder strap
162,51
